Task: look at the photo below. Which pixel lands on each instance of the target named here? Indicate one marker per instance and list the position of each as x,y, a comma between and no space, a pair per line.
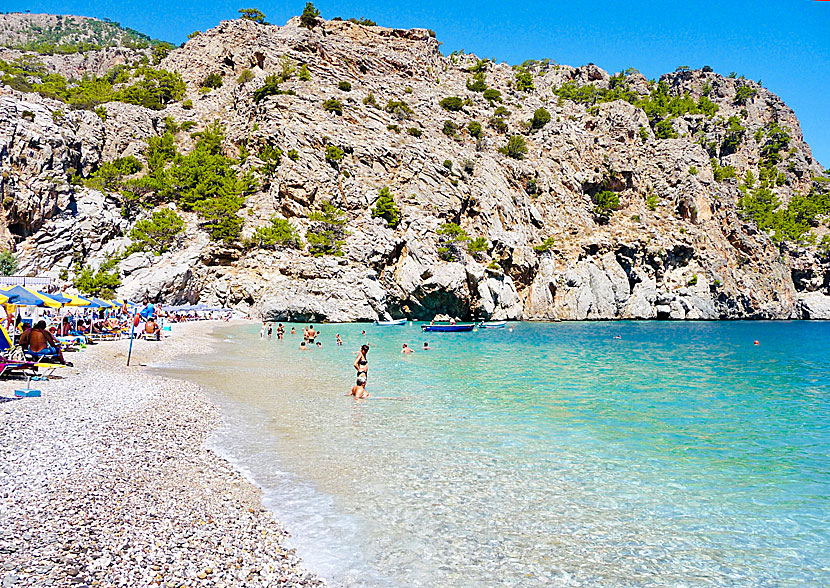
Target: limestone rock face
814,305
676,247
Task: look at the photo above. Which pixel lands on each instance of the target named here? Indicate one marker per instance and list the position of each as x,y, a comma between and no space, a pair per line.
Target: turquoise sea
680,454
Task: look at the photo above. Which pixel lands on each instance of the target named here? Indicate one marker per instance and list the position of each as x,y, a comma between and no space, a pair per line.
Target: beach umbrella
102,303
3,298
20,296
76,300
59,298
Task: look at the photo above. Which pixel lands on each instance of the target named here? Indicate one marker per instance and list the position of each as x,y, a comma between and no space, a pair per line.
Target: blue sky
785,44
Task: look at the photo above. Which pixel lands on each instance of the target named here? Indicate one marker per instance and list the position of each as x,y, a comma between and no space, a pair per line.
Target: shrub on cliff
744,93
523,79
102,282
398,108
498,124
474,128
541,117
110,174
545,245
515,148
722,172
452,103
477,246
450,129
328,231
344,86
451,237
492,95
735,132
219,216
270,157
386,208
334,155
252,14
287,68
280,233
156,233
605,202
8,263
156,89
308,18
665,130
245,76
213,81
477,83
333,105
271,87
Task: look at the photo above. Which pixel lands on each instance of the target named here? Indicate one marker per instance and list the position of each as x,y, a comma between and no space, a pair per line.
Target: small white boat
397,323
494,325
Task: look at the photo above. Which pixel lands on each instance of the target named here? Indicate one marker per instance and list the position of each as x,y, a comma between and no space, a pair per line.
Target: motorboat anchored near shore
447,328
395,323
493,325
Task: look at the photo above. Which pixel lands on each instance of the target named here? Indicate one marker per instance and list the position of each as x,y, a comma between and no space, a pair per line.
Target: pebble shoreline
105,481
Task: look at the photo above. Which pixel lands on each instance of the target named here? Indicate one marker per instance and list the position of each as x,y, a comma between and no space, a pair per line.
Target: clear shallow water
553,455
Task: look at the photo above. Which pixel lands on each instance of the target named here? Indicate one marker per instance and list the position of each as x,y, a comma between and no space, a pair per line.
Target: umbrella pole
132,338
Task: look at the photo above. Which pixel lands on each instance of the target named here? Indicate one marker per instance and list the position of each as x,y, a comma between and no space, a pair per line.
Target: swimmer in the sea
359,389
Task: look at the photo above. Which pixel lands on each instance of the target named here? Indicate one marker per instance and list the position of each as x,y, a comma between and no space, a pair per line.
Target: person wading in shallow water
359,389
361,363
280,332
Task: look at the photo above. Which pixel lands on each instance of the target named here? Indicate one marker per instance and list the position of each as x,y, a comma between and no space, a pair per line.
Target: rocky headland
535,192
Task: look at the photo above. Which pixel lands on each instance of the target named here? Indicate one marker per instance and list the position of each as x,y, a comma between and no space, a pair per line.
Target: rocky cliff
672,198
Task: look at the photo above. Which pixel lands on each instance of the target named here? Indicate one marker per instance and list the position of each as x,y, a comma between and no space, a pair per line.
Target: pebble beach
106,481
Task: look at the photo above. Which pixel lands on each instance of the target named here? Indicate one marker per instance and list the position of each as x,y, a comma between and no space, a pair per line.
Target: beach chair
47,370
15,368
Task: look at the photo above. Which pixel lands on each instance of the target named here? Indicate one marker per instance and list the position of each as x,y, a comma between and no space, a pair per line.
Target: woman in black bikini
361,364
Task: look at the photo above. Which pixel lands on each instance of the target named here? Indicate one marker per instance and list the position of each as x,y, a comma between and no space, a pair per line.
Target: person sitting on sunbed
40,342
152,331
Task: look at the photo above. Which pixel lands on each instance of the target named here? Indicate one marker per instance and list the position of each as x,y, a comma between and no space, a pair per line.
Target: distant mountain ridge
48,33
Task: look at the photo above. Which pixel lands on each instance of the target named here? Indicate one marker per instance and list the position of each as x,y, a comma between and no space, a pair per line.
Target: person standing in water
426,346
406,349
280,332
262,332
293,331
339,340
270,330
361,363
312,334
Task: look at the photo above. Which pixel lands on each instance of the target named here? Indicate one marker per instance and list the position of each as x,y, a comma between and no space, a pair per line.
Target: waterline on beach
680,454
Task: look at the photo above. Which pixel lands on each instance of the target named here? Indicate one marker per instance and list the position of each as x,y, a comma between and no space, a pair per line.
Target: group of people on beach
311,340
